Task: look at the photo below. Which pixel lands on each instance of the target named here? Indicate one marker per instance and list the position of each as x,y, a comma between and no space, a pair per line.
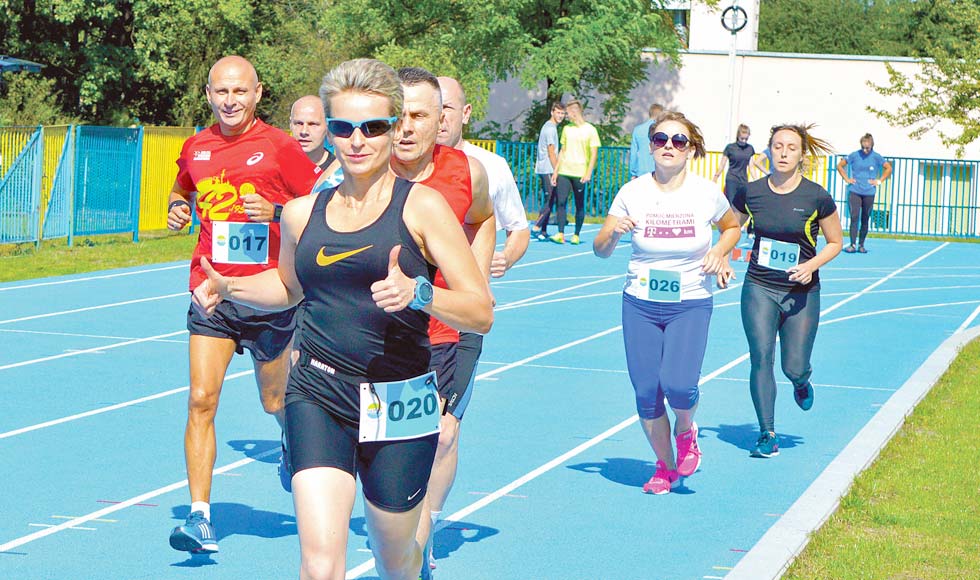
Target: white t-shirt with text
673,231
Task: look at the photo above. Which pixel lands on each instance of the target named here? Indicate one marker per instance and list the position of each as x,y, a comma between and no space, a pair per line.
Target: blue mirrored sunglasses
344,128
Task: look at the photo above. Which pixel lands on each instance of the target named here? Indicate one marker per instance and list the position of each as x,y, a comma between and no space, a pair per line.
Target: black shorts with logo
322,431
264,334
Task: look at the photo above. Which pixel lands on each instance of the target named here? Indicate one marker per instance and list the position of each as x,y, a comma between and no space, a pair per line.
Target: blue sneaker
428,562
285,470
767,445
196,535
803,395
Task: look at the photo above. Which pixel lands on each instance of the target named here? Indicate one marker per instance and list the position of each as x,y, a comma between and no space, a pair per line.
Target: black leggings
566,184
860,209
794,316
550,200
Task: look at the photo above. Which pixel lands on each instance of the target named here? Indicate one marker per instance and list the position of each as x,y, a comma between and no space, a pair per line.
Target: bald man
240,172
308,123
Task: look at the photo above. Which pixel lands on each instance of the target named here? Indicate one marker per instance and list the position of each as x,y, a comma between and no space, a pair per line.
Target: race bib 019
239,243
778,255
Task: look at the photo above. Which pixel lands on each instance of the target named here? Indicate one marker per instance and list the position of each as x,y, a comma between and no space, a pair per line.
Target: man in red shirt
462,180
240,172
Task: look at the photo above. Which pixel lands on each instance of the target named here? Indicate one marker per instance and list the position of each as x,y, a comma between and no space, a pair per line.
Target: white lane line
561,368
53,525
125,504
101,410
96,349
969,320
516,303
79,335
86,279
87,308
821,385
369,565
883,280
501,282
566,257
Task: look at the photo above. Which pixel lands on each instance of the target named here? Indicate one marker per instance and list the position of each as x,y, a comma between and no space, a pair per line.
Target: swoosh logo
411,497
323,260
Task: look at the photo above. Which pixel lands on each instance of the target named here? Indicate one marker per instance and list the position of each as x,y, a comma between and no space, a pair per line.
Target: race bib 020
399,410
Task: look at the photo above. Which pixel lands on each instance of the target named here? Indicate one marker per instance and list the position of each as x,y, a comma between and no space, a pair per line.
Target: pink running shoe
661,481
688,452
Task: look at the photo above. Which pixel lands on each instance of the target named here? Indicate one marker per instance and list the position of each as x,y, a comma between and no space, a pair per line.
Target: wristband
177,202
276,212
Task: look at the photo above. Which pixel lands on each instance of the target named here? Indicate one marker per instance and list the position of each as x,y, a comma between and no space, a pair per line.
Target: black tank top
342,326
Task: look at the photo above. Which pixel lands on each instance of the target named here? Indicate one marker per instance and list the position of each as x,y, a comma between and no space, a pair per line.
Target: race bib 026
663,285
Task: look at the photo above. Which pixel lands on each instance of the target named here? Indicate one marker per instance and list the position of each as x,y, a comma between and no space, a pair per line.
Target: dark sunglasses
680,142
369,127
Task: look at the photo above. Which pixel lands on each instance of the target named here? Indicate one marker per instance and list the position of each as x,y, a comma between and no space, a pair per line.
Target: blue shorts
665,346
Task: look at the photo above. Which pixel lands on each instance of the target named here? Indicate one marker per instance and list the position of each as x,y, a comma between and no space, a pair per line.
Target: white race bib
778,255
399,410
239,243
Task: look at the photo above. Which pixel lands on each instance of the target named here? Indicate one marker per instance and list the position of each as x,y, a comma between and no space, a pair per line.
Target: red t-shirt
220,170
451,178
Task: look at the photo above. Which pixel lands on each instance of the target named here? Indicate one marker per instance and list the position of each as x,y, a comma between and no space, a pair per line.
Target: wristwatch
276,212
423,294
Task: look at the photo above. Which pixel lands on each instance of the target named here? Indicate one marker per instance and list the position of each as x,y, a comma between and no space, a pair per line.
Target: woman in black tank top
362,255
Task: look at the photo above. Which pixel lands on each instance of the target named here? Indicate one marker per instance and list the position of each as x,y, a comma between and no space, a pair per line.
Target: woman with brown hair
667,299
781,292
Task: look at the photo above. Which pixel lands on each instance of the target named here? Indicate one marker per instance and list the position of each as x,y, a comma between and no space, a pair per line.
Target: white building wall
771,88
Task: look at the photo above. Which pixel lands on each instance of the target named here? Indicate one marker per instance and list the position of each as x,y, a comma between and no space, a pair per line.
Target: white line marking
55,283
513,306
501,282
87,308
73,517
125,504
52,525
369,565
575,255
969,320
78,335
516,303
110,408
821,385
96,349
563,368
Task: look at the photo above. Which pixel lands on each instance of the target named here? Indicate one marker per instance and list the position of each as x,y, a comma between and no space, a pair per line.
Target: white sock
202,506
435,518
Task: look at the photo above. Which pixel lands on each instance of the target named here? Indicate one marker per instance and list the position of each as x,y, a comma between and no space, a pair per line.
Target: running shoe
196,535
285,469
558,238
767,445
850,249
575,240
861,250
688,452
427,568
661,481
803,395
543,236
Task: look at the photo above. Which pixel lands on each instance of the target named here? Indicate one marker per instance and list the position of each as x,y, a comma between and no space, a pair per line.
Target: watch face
425,292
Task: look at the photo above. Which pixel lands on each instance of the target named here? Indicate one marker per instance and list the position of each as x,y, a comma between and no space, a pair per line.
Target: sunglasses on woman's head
680,142
369,127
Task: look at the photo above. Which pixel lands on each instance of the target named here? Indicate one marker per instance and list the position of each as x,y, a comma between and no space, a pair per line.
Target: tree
947,88
572,46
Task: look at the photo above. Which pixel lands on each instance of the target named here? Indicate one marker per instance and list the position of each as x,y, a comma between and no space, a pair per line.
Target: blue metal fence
107,180
20,194
58,217
96,186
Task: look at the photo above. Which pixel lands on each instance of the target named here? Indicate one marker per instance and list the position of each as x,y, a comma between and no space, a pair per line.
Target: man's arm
593,158
479,225
178,208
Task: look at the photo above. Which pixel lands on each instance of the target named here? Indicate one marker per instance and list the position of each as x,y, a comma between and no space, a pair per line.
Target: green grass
915,513
89,254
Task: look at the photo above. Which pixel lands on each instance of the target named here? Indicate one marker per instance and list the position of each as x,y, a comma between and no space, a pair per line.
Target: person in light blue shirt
545,163
863,171
641,157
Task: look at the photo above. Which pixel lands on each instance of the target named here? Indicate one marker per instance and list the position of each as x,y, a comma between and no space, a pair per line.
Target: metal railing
66,181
